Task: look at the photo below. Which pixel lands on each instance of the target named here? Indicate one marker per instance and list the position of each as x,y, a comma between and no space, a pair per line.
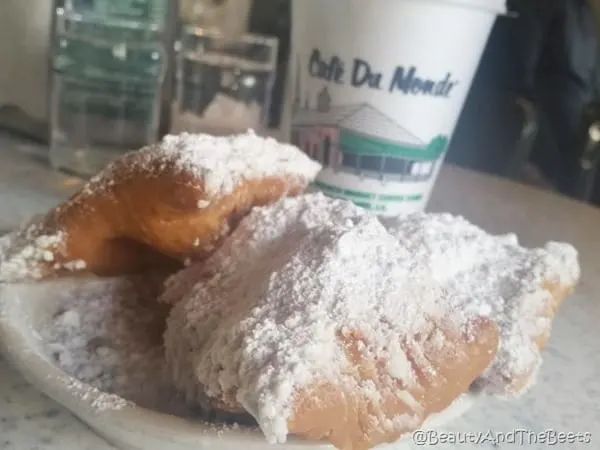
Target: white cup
378,89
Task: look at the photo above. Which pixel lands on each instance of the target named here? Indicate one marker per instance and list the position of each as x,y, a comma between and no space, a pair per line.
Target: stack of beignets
316,317
171,202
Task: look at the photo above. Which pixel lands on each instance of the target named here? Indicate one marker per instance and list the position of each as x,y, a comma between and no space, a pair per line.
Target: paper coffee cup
378,89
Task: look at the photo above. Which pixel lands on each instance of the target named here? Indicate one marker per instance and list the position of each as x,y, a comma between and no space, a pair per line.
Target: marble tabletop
565,400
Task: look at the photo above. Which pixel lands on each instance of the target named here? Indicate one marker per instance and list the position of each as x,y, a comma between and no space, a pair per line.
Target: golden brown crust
146,217
346,415
351,420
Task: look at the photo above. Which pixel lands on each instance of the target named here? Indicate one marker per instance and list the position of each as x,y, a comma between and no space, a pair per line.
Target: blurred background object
230,17
541,69
100,79
94,78
108,67
223,83
25,28
274,18
587,188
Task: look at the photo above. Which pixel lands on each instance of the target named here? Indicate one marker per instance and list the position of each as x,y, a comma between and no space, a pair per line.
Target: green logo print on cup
359,140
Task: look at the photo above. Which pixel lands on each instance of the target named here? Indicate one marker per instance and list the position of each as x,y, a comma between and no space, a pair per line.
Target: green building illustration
361,140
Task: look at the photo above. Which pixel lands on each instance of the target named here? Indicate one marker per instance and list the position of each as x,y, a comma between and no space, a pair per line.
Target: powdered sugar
25,254
77,264
259,321
107,334
224,115
254,236
30,253
99,401
219,164
495,277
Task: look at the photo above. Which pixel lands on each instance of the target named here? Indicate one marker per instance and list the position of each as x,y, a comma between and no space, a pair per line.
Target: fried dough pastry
324,321
520,289
168,203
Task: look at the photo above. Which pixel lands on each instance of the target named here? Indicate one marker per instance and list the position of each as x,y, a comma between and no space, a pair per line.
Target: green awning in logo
364,145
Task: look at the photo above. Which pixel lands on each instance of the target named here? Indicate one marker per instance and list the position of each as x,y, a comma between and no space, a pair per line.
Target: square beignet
325,321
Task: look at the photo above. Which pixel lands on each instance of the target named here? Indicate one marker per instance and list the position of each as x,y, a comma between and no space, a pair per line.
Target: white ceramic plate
24,307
